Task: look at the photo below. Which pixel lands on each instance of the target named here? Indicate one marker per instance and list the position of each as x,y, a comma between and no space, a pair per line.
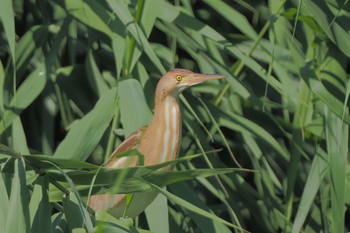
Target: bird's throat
166,125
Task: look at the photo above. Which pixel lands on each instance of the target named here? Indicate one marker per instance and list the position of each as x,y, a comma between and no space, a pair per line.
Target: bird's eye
178,78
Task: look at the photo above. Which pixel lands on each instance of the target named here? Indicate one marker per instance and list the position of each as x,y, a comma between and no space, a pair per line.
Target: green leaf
123,13
157,215
91,13
8,22
83,173
239,123
18,219
25,95
29,43
337,147
73,211
205,224
311,78
7,151
233,16
317,172
94,76
108,223
336,32
133,106
192,207
39,207
59,222
19,138
86,133
5,204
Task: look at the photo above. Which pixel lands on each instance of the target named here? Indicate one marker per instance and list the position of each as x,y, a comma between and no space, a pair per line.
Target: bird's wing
106,201
128,144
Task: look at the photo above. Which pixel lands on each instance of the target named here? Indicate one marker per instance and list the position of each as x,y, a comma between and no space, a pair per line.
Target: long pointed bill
195,79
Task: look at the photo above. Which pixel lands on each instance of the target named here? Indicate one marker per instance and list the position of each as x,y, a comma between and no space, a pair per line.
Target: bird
158,141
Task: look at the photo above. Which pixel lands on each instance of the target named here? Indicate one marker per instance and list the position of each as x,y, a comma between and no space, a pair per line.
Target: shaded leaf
86,133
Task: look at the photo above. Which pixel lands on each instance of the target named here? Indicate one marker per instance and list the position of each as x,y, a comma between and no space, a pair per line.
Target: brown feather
106,201
158,142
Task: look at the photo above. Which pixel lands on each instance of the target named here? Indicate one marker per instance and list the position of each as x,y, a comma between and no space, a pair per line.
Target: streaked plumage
158,141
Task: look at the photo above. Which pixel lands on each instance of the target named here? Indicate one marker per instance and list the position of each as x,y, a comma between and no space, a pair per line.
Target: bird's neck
167,121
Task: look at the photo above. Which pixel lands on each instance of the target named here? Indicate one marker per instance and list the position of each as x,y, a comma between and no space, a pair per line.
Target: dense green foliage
265,150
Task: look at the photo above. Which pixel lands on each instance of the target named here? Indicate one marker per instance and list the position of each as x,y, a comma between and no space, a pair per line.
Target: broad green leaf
337,148
73,212
233,16
106,223
29,90
318,170
205,224
157,215
59,222
239,123
2,86
335,31
28,45
39,207
118,45
174,15
94,76
133,106
91,13
77,216
192,207
82,173
311,78
136,32
7,151
19,138
8,22
40,161
134,180
5,204
86,133
18,219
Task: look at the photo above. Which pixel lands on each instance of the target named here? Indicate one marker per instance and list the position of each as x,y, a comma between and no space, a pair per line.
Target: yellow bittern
158,142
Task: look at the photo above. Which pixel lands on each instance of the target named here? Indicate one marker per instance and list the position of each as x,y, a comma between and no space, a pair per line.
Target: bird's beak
196,78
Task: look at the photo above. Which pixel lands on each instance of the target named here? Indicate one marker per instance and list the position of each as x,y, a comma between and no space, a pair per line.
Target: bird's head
177,80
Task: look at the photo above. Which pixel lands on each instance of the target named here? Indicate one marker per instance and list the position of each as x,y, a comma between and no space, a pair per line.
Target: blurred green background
78,76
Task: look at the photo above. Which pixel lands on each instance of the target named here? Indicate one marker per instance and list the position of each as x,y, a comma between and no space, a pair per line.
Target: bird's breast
162,138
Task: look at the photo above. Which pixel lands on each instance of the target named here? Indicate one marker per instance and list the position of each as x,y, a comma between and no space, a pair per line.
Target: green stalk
61,105
301,117
238,66
116,118
111,138
131,49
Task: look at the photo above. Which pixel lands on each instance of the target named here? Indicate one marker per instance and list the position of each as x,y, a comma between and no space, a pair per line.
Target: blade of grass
18,219
5,203
192,207
319,167
86,133
122,12
133,106
8,22
205,225
19,137
82,216
157,215
26,94
220,132
39,207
